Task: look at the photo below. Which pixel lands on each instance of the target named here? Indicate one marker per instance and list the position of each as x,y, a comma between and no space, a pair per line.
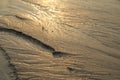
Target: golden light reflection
53,15
52,8
52,4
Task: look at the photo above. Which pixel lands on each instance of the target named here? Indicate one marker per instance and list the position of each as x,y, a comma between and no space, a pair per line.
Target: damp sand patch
6,70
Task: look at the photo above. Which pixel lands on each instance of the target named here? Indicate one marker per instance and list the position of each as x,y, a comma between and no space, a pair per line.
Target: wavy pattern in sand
60,40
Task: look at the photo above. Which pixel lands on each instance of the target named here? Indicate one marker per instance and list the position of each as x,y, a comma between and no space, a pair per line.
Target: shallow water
61,39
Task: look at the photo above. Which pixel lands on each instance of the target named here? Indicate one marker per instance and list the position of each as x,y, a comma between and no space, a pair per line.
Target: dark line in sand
27,37
12,67
21,18
59,54
55,53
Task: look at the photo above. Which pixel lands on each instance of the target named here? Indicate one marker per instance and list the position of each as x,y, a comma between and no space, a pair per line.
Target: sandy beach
60,40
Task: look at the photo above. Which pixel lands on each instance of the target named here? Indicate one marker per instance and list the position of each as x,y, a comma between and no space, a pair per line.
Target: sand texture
60,40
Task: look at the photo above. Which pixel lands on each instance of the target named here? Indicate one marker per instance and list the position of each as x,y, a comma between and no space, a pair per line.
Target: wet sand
59,40
6,69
